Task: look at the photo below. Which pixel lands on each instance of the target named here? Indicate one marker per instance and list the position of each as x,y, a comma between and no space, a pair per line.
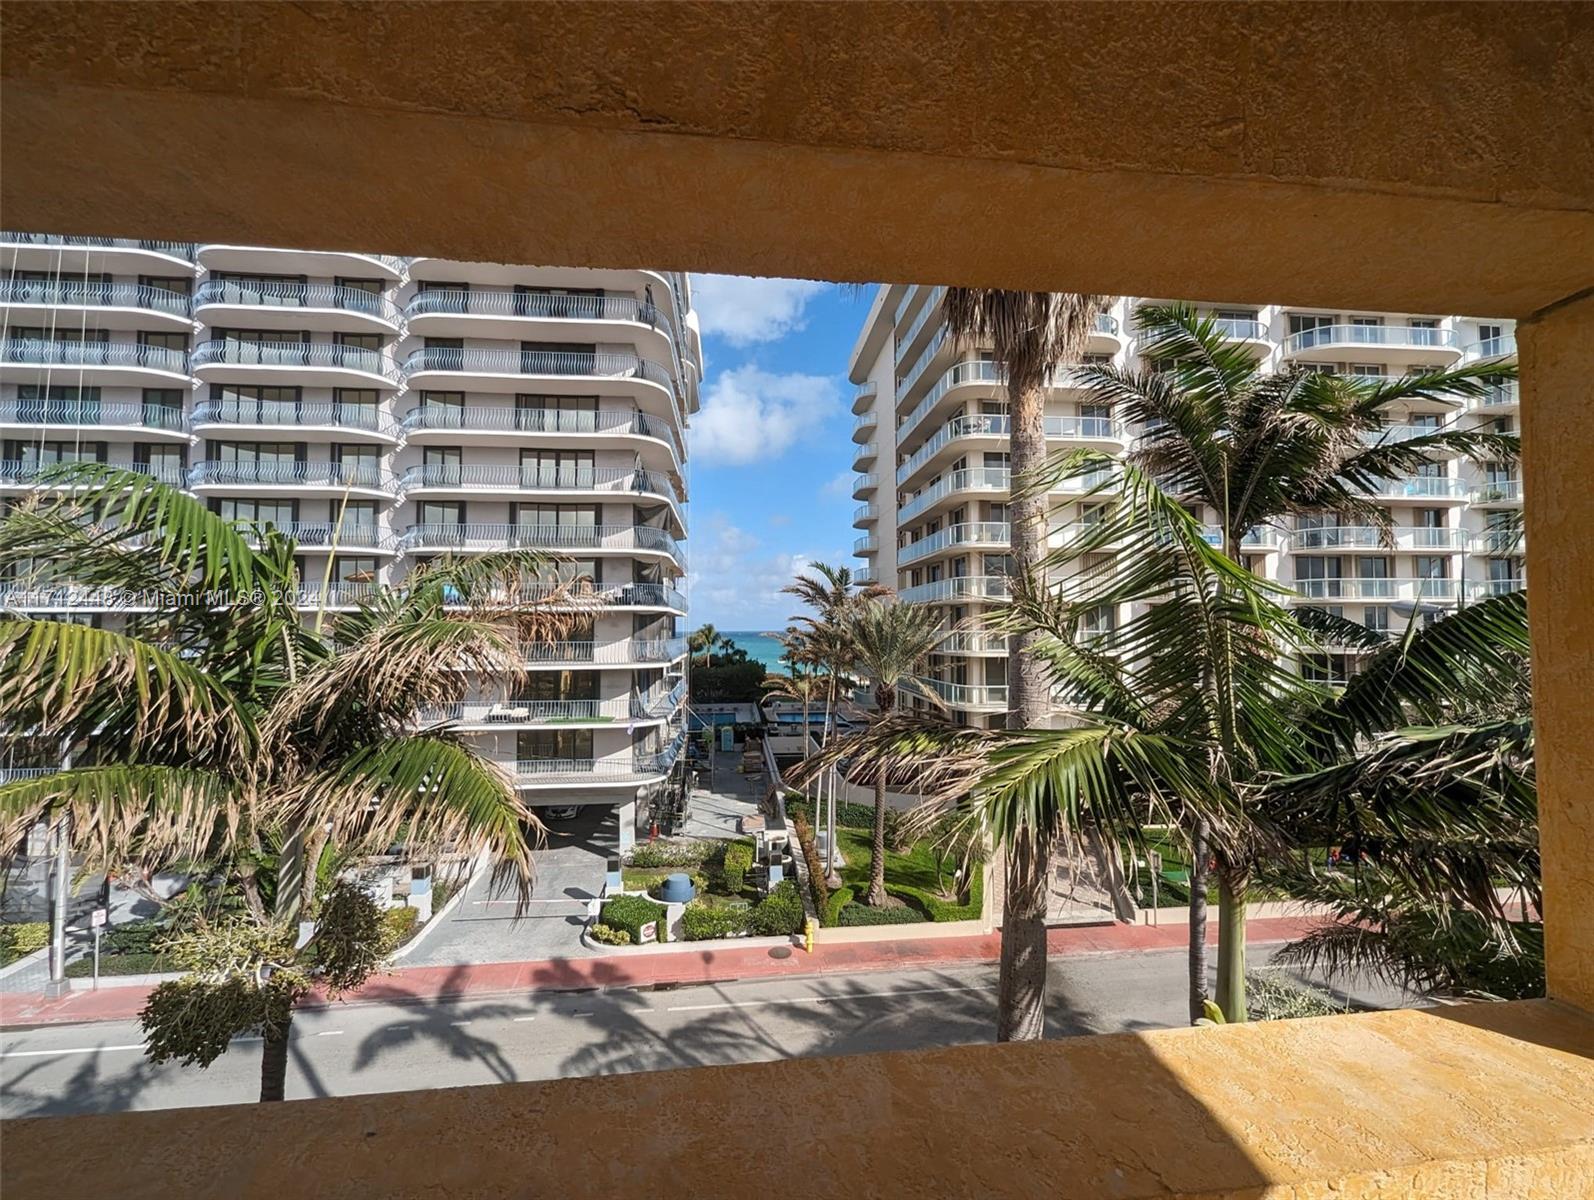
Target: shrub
630,913
653,882
19,940
1272,997
122,964
398,925
831,914
738,861
862,914
817,889
938,908
700,923
779,913
671,854
135,937
610,937
898,838
848,814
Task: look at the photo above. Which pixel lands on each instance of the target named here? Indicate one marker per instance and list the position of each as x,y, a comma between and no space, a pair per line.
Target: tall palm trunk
1233,881
877,850
1022,988
1198,920
274,1056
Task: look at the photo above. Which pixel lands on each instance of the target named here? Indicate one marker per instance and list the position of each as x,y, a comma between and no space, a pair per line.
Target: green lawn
910,876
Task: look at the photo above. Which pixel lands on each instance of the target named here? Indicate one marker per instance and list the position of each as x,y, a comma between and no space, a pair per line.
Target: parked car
561,812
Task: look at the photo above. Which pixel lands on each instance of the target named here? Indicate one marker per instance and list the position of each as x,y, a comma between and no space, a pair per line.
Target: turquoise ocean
760,647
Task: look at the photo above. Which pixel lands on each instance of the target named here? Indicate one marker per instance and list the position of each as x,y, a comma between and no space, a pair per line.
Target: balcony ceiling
1455,173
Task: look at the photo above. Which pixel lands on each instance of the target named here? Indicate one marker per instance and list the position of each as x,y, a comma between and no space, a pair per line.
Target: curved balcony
323,364
359,422
1499,398
1398,345
863,455
596,772
42,417
1503,347
1401,591
864,426
931,311
864,397
505,313
281,305
118,256
623,653
330,536
1405,433
867,544
980,533
611,539
272,260
103,305
560,371
23,474
1501,493
976,374
291,478
865,514
1419,488
1402,539
448,423
1245,330
336,595
864,484
525,714
865,575
1500,542
977,697
963,587
972,644
440,479
954,433
976,479
107,364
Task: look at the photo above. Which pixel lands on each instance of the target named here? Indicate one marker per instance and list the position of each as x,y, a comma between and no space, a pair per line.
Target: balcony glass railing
930,311
482,418
537,362
864,482
293,414
995,425
963,587
958,375
1504,346
526,712
1499,541
867,544
966,695
865,452
62,352
336,595
93,412
1407,590
1437,487
79,293
550,537
1497,587
975,479
1240,328
1497,491
322,355
489,302
969,642
626,650
537,478
1400,433
1400,539
1400,336
182,250
865,512
322,474
1498,395
980,533
866,420
297,295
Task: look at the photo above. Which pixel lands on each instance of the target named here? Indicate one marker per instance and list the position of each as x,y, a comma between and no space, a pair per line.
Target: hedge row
671,854
780,913
22,939
738,861
849,815
816,869
700,923
938,908
862,914
830,915
122,964
630,913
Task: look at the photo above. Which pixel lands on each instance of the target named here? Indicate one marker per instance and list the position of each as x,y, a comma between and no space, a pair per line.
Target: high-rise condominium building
932,459
385,411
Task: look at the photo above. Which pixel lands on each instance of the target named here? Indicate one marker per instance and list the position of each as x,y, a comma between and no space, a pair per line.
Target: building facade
385,411
931,455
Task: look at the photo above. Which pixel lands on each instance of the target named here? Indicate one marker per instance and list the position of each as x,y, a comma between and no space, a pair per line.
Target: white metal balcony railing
324,474
865,452
537,362
15,471
79,293
534,771
1408,590
658,701
1401,433
503,302
471,536
336,594
528,712
866,420
12,774
395,263
962,587
864,575
622,595
1504,346
1436,487
627,650
324,355
907,382
1499,541
294,414
1400,336
481,418
932,308
93,412
866,512
357,535
865,481
1497,491
1482,589
867,544
52,352
969,372
986,533
297,295
967,695
972,642
1498,395
182,250
996,425
1400,539
974,479
537,478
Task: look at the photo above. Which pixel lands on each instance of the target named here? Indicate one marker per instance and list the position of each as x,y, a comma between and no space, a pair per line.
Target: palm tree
1031,335
705,639
805,688
1255,448
218,728
890,644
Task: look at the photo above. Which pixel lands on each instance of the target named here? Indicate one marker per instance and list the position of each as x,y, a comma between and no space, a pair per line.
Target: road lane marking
822,999
330,1033
71,1050
525,1018
464,1022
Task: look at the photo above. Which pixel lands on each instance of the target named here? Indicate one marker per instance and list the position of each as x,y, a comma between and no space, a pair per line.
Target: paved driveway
570,868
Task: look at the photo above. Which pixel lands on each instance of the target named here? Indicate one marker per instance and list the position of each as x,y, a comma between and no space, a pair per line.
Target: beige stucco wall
1427,157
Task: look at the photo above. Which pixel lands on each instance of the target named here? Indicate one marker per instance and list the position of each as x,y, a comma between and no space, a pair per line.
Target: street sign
98,917
650,932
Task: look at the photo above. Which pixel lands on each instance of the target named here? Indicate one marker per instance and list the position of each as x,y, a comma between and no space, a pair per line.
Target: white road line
525,1018
821,999
464,1022
330,1033
71,1050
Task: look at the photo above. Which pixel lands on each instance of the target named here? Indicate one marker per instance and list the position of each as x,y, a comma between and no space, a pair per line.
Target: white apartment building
384,411
931,452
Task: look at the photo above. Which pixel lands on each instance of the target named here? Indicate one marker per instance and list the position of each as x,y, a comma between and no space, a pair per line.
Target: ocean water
760,647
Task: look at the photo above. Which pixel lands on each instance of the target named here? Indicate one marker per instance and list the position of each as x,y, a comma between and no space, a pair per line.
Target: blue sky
771,449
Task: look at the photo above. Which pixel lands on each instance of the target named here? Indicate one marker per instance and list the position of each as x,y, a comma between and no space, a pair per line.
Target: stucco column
626,815
1556,353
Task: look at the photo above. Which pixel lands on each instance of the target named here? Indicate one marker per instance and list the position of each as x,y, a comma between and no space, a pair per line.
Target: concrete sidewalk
715,962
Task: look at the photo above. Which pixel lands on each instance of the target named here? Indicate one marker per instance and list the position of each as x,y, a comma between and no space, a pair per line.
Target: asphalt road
386,1047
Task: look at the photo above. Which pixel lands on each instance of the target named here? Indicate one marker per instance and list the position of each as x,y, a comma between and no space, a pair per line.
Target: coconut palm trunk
1199,843
274,1054
877,850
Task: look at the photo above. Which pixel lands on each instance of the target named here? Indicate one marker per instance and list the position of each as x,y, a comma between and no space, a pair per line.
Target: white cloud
744,310
752,415
839,486
736,580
